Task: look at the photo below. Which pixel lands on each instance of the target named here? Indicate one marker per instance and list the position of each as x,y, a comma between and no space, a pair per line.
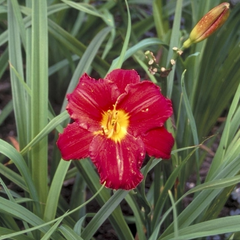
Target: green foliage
48,46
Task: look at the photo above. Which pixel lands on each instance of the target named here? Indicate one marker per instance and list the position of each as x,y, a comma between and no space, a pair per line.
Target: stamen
114,124
104,130
109,113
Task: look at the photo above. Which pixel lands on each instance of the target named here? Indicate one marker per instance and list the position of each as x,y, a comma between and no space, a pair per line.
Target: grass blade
39,99
18,92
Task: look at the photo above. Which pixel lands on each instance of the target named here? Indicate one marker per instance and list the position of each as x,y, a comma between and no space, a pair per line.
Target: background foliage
45,47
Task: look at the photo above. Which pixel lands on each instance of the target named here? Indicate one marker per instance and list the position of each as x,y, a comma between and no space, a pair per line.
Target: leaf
18,160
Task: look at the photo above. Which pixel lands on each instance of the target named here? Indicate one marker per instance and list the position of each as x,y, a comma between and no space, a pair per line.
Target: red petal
158,143
89,99
146,106
74,142
122,78
118,163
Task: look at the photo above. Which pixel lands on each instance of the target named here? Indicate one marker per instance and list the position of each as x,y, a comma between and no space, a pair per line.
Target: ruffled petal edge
118,163
158,143
74,142
122,78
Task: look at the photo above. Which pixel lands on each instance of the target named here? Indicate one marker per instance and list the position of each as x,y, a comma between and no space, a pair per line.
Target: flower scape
116,122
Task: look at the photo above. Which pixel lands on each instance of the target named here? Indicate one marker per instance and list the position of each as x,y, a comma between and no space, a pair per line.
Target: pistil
114,124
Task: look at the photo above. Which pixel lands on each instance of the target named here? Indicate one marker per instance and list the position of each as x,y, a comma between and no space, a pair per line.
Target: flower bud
208,24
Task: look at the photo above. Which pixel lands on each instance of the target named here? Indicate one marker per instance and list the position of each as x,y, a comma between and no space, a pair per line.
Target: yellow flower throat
114,124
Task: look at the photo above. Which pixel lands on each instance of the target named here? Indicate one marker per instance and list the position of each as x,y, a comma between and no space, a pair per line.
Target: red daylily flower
117,120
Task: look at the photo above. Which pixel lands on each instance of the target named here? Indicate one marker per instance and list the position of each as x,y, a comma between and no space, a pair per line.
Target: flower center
114,124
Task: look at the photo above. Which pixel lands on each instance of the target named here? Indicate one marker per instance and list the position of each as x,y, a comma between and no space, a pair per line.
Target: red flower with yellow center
117,120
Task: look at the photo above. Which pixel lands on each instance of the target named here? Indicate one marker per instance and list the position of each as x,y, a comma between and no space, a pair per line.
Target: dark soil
7,127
